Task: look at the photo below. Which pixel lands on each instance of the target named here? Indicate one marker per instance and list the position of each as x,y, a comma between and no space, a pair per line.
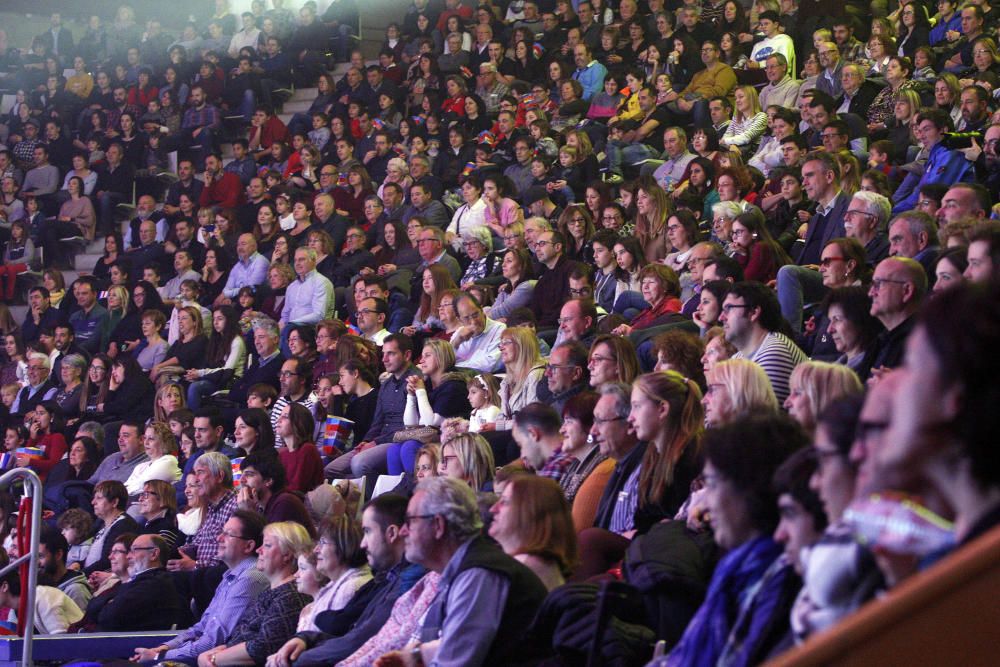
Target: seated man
369,456
130,610
309,299
213,472
487,598
237,542
52,571
477,341
54,610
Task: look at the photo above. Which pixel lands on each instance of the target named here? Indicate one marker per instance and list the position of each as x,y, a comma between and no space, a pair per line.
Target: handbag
424,434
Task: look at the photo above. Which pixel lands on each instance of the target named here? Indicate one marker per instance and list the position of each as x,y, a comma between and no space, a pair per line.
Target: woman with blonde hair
533,524
522,358
814,385
269,621
189,349
169,397
653,209
161,448
737,388
468,457
749,121
118,307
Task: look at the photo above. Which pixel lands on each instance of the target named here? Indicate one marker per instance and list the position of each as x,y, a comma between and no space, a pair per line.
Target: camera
959,140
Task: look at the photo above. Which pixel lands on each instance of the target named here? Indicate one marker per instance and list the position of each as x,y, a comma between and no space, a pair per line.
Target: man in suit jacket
57,39
858,92
802,283
149,600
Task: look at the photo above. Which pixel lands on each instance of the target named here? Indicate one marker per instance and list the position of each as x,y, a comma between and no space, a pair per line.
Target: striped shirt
623,516
778,356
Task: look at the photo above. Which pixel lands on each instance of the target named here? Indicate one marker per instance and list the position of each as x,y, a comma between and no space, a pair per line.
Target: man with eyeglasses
717,79
430,247
782,89
130,610
477,341
296,379
519,172
40,386
914,234
897,292
831,62
371,316
400,313
986,158
552,288
617,441
238,539
578,320
566,374
486,598
751,319
866,220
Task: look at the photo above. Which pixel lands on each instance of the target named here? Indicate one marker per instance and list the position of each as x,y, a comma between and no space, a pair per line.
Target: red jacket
225,192
273,130
54,445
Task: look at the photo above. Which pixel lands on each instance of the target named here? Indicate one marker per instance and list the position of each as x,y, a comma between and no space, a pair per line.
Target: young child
484,397
75,525
8,393
320,134
179,420
243,164
788,215
262,395
565,174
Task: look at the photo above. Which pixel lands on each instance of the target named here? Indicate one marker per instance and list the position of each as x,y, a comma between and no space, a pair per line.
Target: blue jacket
943,166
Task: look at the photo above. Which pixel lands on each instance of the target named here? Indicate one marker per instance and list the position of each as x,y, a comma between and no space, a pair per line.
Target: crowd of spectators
551,293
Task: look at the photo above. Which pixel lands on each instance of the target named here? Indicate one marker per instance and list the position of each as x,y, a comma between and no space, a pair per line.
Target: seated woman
109,586
478,245
45,432
717,350
269,621
130,393
340,558
158,508
440,394
852,328
737,388
468,457
253,433
661,291
709,309
299,456
843,263
84,455
758,254
813,385
169,397
612,359
110,501
263,489
630,258
752,587
224,361
666,417
683,234
532,523
436,281
525,370
748,124
68,397
358,397
189,521
161,448
189,350
152,349
517,288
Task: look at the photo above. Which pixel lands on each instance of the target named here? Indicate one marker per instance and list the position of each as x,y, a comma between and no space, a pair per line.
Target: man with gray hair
897,292
781,89
486,599
616,440
866,220
40,386
914,234
213,473
308,299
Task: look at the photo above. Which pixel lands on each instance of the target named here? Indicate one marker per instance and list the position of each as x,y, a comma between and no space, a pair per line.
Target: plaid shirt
557,465
206,540
207,116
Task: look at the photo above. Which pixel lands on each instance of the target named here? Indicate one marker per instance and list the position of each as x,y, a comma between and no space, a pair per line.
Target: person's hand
182,564
191,375
698,517
804,215
414,383
395,659
34,429
973,152
386,269
97,579
369,156
130,345
147,654
809,326
953,35
489,426
684,105
21,460
287,654
877,374
558,185
375,249
622,330
368,444
408,331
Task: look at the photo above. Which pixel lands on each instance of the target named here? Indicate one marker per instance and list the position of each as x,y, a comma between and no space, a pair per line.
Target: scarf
735,582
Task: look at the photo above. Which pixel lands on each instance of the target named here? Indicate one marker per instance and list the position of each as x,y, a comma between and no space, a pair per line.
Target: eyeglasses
827,261
288,374
733,306
560,367
877,283
141,548
506,342
367,311
583,291
146,494
414,517
598,357
119,552
598,420
612,217
577,221
854,214
235,537
538,243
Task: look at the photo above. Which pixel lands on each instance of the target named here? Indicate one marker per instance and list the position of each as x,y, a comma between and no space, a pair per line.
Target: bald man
250,269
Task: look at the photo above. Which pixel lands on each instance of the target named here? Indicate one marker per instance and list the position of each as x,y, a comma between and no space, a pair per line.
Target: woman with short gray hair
71,370
478,244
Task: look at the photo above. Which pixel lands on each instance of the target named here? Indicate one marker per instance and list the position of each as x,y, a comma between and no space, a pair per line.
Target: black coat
147,602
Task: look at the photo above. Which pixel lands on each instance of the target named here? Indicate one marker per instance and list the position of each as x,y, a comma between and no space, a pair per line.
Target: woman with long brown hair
653,209
436,280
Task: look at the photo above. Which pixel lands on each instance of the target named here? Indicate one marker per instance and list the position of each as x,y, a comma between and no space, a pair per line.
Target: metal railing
33,490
